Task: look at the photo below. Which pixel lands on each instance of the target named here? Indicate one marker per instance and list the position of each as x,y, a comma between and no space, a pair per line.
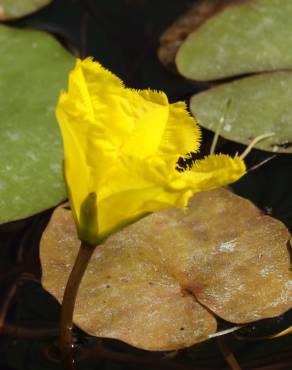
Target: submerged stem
227,353
69,298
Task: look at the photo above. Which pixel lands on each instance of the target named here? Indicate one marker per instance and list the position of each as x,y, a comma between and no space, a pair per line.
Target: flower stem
227,353
69,298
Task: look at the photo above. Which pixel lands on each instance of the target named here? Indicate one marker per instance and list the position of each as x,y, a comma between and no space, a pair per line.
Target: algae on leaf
244,37
33,70
12,9
260,104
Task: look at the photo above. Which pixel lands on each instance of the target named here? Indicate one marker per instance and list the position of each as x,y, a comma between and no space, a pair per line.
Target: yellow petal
213,171
182,133
92,113
142,187
121,147
149,111
75,162
148,186
133,188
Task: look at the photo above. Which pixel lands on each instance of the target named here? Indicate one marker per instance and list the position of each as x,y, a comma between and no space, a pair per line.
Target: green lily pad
173,37
33,70
244,37
259,104
12,9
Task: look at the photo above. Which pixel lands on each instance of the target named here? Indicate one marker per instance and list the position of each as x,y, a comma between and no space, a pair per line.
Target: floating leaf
259,104
144,283
244,37
234,38
173,37
126,292
31,152
244,264
12,9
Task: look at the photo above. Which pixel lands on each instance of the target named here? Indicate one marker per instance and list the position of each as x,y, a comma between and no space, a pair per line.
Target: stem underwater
68,304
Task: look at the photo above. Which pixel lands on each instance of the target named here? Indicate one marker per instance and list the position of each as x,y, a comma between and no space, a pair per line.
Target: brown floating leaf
240,266
143,283
126,293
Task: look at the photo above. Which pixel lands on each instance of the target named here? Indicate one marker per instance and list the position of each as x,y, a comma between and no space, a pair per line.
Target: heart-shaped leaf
244,37
126,292
144,283
33,70
174,36
259,105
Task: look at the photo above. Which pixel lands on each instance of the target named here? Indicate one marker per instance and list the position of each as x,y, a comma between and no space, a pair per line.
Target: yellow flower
121,150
